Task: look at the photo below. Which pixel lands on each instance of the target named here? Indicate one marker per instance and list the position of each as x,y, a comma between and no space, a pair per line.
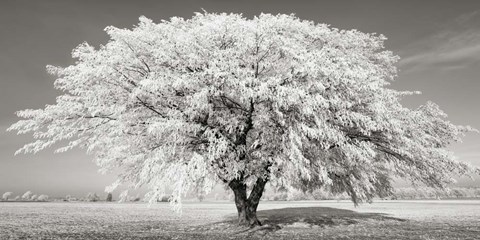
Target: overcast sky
438,42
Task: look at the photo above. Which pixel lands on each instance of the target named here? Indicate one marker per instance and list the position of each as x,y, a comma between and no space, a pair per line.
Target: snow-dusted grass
214,220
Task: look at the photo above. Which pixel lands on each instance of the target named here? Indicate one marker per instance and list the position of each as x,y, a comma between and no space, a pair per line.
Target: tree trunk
247,207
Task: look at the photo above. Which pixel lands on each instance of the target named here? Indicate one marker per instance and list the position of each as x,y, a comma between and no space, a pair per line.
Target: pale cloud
455,53
466,17
455,47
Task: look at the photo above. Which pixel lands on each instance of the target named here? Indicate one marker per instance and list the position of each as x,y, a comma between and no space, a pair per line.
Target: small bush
165,198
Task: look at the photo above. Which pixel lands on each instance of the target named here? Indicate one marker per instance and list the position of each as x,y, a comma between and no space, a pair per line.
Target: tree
92,197
42,198
201,196
245,102
27,195
34,197
6,195
109,197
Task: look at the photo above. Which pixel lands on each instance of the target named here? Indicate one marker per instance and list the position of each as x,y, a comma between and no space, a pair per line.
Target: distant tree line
298,195
94,197
28,196
407,193
431,193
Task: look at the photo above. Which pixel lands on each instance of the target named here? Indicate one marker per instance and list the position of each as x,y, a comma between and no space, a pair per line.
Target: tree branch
150,107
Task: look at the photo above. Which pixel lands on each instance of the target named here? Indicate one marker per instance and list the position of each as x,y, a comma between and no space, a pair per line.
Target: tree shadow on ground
318,216
299,217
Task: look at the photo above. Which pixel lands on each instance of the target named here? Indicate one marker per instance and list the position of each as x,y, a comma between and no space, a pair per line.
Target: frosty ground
436,219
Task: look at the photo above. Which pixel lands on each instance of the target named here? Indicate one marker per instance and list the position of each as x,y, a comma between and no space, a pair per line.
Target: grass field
214,220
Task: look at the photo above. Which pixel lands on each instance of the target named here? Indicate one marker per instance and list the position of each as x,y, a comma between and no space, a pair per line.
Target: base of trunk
248,217
247,207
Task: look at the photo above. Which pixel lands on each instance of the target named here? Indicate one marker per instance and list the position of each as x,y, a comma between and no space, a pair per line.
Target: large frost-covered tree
245,102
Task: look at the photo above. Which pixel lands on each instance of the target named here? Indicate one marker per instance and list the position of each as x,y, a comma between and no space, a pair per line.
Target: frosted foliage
6,195
27,195
42,198
189,103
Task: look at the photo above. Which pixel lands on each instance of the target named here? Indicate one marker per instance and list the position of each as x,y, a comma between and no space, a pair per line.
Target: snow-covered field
213,220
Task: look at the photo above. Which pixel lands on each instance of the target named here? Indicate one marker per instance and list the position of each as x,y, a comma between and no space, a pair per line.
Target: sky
438,42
